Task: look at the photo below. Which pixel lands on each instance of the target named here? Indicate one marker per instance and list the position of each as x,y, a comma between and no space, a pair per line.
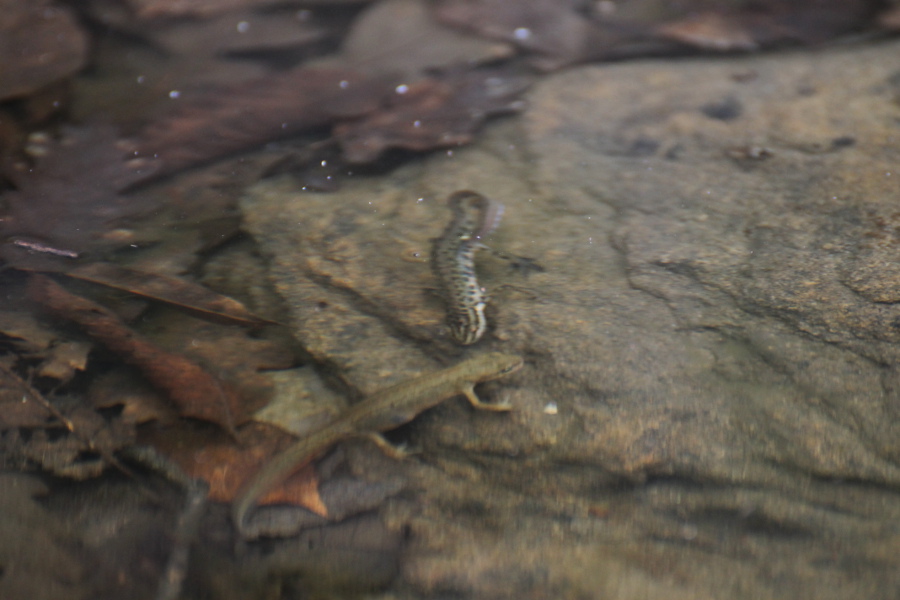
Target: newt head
498,364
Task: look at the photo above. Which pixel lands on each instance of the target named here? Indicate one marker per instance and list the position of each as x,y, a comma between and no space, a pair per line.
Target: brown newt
453,262
380,412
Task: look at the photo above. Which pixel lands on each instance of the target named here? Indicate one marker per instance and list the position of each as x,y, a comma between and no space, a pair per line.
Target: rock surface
716,326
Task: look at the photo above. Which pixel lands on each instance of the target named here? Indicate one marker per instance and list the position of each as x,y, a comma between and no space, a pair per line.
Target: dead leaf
68,202
226,466
28,335
213,125
241,31
230,349
83,450
60,358
710,31
187,55
196,392
40,42
171,290
17,406
232,352
82,453
555,34
205,8
890,19
554,30
72,441
140,403
433,113
770,22
42,105
12,135
63,360
403,37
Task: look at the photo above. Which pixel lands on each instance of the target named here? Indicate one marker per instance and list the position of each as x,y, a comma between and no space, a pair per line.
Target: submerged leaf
555,31
212,126
403,37
40,42
762,24
59,357
139,402
204,8
28,335
69,202
17,406
433,113
84,451
171,290
555,34
226,466
195,391
63,360
890,19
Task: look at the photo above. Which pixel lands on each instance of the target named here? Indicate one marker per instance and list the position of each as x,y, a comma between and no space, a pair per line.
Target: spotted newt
453,262
380,412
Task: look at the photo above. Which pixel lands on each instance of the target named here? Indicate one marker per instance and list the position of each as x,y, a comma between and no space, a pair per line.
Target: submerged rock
711,347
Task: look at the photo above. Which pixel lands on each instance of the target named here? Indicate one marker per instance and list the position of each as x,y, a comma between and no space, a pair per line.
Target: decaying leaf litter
116,204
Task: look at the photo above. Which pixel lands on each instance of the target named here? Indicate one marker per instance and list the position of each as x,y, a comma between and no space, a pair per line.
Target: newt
453,262
383,411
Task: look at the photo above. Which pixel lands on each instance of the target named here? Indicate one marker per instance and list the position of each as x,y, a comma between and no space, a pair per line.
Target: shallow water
709,406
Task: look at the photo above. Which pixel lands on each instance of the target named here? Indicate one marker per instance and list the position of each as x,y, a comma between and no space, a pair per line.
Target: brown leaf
187,55
85,447
710,31
18,408
12,135
228,350
27,333
549,28
32,340
80,453
205,8
769,22
556,34
211,38
40,42
890,19
171,290
196,392
210,126
63,360
390,36
69,201
433,113
140,403
227,466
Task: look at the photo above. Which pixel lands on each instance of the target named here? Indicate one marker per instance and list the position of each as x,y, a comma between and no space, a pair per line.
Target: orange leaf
226,466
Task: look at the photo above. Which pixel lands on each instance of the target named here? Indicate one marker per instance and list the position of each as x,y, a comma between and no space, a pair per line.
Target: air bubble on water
522,33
